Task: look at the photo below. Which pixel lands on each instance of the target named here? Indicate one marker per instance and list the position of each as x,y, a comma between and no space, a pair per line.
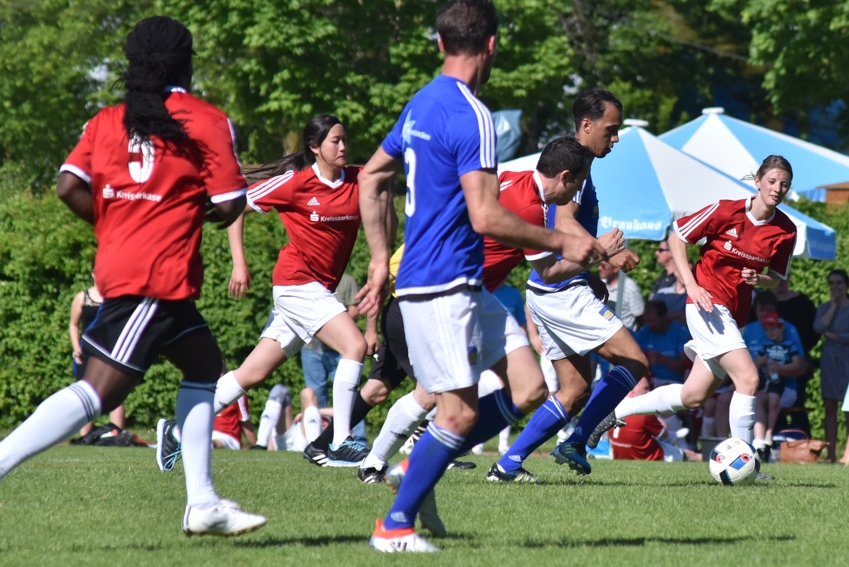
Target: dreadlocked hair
315,132
159,52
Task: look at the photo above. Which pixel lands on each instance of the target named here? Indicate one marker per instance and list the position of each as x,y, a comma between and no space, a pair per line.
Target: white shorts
299,312
292,440
714,334
552,382
228,441
571,321
788,398
452,338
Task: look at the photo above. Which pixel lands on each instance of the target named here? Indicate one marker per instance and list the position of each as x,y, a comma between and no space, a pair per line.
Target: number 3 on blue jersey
410,161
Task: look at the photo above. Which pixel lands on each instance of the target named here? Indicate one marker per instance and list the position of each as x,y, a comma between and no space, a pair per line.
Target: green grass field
106,506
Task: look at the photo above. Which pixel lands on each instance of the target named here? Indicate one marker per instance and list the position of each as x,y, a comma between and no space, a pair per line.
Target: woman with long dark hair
832,321
317,197
143,173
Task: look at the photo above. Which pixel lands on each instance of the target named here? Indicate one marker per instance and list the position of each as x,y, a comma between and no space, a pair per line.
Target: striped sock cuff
508,410
624,377
88,398
553,406
447,438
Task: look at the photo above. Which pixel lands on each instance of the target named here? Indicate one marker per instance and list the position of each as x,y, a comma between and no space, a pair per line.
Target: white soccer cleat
404,540
223,519
477,449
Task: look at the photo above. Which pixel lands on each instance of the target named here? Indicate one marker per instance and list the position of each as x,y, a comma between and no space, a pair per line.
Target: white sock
345,384
54,420
227,391
741,416
268,421
768,439
666,399
758,444
194,420
504,439
709,427
401,421
312,423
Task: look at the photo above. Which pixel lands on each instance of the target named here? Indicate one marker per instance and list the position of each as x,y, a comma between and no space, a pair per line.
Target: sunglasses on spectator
662,250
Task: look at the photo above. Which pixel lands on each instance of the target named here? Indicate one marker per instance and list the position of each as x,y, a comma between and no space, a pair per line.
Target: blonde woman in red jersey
143,177
317,197
743,238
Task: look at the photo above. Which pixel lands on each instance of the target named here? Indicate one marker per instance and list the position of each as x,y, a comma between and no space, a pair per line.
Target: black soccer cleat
315,455
371,475
462,465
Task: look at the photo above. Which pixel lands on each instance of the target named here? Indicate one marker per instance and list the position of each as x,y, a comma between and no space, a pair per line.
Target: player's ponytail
315,132
159,52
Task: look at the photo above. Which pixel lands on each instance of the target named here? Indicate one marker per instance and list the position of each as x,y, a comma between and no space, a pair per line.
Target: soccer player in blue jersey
573,320
446,140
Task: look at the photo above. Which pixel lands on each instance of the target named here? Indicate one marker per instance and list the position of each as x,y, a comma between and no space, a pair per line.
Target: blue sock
607,394
428,461
495,412
545,423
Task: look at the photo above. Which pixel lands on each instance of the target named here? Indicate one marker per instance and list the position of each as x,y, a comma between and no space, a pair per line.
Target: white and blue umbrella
645,184
738,148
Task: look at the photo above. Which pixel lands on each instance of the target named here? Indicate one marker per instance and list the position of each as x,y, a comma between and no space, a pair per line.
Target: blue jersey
511,299
755,337
443,133
671,344
587,217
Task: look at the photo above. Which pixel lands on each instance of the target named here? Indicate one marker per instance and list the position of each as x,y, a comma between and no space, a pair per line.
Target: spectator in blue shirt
663,342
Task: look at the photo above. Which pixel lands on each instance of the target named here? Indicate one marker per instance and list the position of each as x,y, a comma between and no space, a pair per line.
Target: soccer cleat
462,465
350,453
224,519
477,449
428,514
402,540
315,455
168,448
574,455
258,448
601,429
371,475
762,476
407,448
520,475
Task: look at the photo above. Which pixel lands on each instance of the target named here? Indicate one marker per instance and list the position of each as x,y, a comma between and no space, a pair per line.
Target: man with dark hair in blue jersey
446,139
573,320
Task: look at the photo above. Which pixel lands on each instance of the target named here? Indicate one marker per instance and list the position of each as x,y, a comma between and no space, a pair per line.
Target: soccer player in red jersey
317,197
230,424
743,239
143,173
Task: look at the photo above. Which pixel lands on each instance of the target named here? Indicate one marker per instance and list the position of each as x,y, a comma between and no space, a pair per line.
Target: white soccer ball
734,462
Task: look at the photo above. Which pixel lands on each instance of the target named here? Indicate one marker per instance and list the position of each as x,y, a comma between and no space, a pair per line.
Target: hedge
46,256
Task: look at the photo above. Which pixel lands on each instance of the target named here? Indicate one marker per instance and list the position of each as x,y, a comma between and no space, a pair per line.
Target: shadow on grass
641,541
328,540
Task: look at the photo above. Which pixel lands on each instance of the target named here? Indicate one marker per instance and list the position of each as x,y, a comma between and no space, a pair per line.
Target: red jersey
735,240
149,200
521,192
636,441
230,420
322,219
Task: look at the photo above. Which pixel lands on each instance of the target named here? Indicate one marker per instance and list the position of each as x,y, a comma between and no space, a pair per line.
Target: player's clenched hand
240,282
700,297
749,276
613,242
626,260
583,250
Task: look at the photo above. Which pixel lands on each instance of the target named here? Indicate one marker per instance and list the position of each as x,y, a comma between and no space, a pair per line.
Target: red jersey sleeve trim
70,168
228,196
693,222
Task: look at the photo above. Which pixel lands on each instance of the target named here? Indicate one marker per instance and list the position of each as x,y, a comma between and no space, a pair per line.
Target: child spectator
779,361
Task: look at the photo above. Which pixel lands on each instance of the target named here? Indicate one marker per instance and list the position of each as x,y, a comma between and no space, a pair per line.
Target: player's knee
375,392
747,384
308,397
426,401
355,349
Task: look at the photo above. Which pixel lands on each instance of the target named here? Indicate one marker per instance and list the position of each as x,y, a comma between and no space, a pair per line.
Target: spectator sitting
627,302
779,362
230,424
664,259
299,430
663,342
646,438
675,298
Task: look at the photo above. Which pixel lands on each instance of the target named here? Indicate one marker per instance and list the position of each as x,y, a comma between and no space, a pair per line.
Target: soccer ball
734,462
